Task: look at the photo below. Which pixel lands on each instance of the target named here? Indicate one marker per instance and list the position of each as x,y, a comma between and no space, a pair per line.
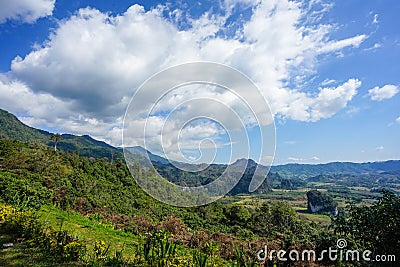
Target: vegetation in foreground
60,208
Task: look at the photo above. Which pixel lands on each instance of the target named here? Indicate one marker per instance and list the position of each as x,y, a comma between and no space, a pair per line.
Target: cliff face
318,202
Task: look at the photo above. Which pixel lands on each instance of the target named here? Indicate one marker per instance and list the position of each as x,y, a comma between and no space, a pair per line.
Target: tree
55,138
375,227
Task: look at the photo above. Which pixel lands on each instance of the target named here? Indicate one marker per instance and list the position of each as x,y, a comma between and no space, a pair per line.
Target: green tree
55,138
375,227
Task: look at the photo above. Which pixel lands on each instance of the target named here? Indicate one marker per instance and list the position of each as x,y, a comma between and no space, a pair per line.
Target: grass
90,230
21,255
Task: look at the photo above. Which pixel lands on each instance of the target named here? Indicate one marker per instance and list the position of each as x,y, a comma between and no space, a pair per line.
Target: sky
329,71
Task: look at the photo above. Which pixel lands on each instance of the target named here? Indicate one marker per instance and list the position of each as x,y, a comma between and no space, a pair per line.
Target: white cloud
380,148
93,61
327,82
44,110
16,96
25,10
375,19
374,47
353,110
398,120
381,93
338,45
290,142
296,159
331,100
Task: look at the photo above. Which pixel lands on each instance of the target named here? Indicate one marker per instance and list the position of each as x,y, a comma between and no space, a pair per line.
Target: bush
5,212
25,224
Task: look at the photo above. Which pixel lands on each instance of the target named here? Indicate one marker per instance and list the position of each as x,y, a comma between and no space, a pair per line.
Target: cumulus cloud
381,93
17,96
331,100
44,110
398,120
25,10
92,62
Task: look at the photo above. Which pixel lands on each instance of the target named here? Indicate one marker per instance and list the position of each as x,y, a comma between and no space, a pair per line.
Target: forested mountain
12,128
288,176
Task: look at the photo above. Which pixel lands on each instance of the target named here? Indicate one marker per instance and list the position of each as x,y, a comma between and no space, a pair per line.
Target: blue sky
328,69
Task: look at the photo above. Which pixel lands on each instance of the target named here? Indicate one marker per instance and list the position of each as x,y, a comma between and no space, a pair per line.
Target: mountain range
12,128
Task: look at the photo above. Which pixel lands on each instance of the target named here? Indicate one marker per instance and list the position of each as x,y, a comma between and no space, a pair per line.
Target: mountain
12,128
142,155
281,176
300,170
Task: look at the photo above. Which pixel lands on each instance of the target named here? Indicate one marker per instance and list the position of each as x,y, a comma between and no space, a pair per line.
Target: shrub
74,251
5,212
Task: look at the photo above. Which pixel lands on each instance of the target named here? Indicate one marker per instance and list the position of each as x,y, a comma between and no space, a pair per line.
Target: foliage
5,212
376,227
213,235
26,225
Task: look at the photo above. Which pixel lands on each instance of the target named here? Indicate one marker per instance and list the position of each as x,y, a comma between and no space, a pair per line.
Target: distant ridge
337,167
12,128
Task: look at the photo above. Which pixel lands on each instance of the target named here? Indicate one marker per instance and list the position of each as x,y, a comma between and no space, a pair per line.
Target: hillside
290,176
98,196
36,177
12,128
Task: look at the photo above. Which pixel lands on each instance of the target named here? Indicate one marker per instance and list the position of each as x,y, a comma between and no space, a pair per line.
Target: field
297,199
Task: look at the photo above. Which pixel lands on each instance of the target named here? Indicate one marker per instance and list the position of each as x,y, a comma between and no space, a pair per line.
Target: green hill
12,128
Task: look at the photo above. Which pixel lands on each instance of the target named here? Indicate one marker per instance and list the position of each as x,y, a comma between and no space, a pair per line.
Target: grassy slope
86,228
